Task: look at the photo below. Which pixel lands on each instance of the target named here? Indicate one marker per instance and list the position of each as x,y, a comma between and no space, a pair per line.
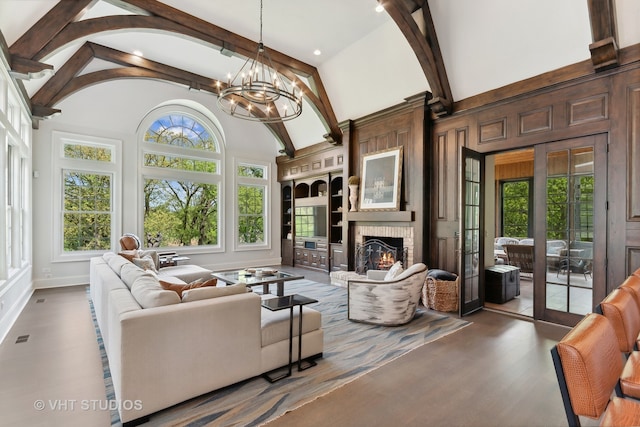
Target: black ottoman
502,283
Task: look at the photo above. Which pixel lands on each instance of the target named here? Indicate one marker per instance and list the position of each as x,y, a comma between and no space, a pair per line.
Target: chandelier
258,93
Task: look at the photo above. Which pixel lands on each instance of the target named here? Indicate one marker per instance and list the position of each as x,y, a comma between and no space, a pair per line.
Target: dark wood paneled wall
405,125
604,103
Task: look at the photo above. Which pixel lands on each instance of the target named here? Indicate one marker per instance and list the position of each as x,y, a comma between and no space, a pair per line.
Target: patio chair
520,256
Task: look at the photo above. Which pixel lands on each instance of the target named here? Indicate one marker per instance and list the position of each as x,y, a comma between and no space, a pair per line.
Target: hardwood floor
496,372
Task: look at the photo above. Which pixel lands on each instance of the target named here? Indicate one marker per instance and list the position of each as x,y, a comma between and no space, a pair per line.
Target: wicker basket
441,295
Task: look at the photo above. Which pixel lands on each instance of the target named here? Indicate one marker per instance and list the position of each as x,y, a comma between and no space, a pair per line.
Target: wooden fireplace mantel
382,216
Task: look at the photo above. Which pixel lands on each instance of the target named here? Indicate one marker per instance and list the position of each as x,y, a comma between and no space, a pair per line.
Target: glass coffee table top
251,279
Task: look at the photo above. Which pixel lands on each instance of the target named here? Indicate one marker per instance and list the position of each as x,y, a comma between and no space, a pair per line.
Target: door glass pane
472,230
569,247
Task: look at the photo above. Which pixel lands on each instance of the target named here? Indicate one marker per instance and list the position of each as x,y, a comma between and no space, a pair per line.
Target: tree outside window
252,191
87,211
87,189
182,177
516,208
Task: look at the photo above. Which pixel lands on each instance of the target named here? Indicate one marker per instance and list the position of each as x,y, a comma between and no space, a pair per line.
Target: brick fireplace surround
404,232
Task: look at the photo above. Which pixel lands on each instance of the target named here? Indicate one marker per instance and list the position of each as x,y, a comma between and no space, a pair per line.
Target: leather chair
390,303
588,365
632,285
621,309
130,242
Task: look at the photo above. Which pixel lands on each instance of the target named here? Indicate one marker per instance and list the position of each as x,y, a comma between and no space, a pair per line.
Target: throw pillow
129,255
200,283
145,263
442,275
394,271
213,292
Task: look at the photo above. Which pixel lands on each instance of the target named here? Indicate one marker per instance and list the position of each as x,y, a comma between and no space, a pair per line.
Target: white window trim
262,182
148,172
60,164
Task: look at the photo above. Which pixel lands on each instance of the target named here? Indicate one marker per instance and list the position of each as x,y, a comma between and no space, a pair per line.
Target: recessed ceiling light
317,52
137,53
379,8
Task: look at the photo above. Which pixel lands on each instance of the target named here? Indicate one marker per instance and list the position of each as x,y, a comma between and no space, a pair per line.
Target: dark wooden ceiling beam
54,21
426,49
50,90
27,69
160,17
88,27
66,82
236,43
604,49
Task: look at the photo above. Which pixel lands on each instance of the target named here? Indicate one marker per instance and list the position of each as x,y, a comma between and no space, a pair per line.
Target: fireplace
379,253
385,231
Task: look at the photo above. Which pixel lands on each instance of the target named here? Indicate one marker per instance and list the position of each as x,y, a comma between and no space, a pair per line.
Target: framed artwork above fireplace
381,176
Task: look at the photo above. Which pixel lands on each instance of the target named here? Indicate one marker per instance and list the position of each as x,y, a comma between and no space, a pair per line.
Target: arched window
181,154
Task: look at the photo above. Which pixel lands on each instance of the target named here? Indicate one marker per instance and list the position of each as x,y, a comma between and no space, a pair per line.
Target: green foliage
515,208
251,202
184,213
87,152
87,211
251,171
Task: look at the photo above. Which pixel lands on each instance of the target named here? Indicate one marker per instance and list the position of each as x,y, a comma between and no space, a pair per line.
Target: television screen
311,221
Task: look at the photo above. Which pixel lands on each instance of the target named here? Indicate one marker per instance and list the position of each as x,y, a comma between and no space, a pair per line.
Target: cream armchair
390,303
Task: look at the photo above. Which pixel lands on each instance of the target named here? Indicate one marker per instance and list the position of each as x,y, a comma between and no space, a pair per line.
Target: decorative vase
353,197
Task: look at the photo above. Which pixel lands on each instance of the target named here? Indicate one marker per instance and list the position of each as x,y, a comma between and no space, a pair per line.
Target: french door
570,228
472,232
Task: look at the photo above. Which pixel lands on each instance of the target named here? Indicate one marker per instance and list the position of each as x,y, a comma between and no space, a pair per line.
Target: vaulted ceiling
453,49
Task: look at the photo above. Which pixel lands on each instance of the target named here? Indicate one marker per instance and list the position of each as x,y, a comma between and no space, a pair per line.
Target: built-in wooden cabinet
335,207
315,182
287,224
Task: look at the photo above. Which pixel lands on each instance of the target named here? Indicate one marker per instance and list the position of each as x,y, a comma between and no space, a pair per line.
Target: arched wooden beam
54,21
426,48
173,20
66,82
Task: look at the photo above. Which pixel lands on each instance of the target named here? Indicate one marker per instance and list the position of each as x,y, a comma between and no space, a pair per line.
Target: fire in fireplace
379,253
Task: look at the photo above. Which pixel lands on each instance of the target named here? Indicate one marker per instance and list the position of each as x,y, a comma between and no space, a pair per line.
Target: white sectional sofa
163,350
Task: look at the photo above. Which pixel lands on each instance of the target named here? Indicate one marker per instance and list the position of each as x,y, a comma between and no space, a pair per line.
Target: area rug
350,350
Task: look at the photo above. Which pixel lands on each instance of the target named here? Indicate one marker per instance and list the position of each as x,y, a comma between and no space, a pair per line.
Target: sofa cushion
116,263
186,272
130,273
275,324
179,289
148,292
196,294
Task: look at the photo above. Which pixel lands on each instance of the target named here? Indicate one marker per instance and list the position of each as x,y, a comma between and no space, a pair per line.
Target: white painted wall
374,73
114,110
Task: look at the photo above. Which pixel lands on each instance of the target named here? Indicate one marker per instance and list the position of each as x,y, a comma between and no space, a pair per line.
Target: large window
182,176
516,208
252,187
88,173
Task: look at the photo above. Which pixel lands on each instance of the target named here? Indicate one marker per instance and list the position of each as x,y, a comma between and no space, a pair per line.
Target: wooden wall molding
539,120
588,109
633,153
